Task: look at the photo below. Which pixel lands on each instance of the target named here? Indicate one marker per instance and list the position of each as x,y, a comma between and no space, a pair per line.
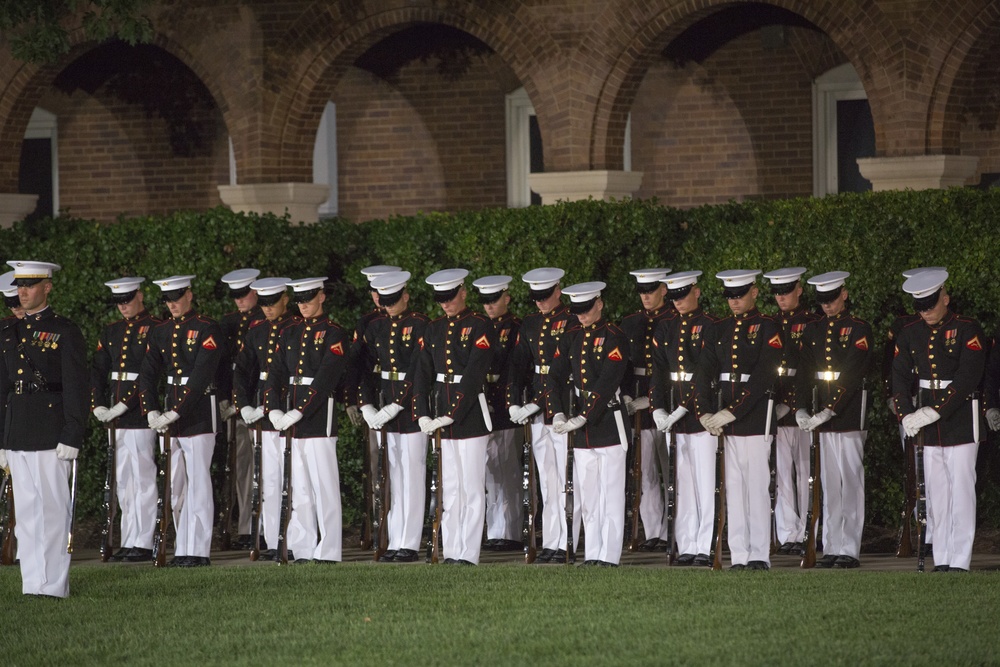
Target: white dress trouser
695,492
191,493
243,477
652,505
315,528
791,479
843,478
504,508
135,482
599,483
748,503
272,477
463,497
42,512
407,454
550,462
952,485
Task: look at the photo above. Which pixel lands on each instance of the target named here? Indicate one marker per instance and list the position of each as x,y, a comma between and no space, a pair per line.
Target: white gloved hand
65,452
226,410
168,418
821,417
675,417
572,424
641,403
993,419
252,415
99,412
291,418
386,415
276,416
715,423
527,412
705,421
802,418
912,423
354,414
515,413
368,413
3,459
558,421
153,418
780,410
661,418
442,422
426,425
116,411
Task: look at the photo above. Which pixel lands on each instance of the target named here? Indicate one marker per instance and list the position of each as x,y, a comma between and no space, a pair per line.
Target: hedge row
874,236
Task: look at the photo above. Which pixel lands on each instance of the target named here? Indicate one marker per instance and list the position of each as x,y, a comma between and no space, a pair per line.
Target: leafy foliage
875,236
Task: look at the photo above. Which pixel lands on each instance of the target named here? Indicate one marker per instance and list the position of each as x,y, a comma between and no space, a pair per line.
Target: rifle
921,492
380,496
367,490
670,480
286,502
529,492
772,468
110,496
8,552
570,442
163,507
228,487
72,509
256,498
904,544
815,492
632,512
434,509
720,495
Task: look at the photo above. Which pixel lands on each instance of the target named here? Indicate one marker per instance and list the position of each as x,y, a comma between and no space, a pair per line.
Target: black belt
30,387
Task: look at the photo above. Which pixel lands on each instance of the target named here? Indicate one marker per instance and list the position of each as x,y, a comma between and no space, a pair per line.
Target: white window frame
840,83
518,113
44,125
325,159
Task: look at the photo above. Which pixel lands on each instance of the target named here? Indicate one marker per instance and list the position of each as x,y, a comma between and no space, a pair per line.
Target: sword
975,417
72,510
770,411
864,405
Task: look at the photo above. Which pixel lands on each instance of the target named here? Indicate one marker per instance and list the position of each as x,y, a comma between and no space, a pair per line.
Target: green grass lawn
500,614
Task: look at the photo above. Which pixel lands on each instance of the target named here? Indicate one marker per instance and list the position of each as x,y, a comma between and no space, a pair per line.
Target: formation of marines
693,407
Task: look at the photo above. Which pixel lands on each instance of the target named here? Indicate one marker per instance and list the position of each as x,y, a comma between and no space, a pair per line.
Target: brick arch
333,42
645,27
24,84
967,39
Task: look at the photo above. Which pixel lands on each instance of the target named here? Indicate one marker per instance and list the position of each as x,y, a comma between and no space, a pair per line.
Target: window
39,171
843,131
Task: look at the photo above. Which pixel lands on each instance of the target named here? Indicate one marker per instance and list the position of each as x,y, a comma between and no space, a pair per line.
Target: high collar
138,316
947,319
459,315
43,314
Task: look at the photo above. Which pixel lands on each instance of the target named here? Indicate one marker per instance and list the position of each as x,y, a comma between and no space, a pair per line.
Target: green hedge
874,236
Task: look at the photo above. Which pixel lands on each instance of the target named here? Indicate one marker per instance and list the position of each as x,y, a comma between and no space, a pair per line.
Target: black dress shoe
387,557
180,561
649,545
559,557
758,565
847,562
268,554
243,543
786,548
798,549
702,560
956,569
405,556
137,555
736,567
604,563
509,545
590,563
119,555
491,544
201,561
685,559
940,568
300,561
827,560
449,561
545,556
462,561
320,561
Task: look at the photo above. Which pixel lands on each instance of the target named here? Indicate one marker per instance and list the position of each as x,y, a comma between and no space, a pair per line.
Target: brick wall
114,160
421,143
738,125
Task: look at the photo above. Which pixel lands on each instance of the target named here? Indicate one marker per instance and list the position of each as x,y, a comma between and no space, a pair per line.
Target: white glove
515,413
153,418
718,421
65,452
116,411
276,416
802,418
354,415
780,410
252,415
442,422
821,417
3,458
672,418
705,420
913,422
641,403
99,412
226,409
290,419
661,418
386,415
993,419
426,425
527,412
558,421
368,413
572,424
